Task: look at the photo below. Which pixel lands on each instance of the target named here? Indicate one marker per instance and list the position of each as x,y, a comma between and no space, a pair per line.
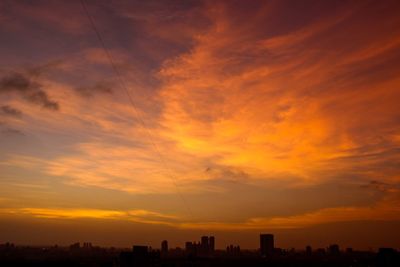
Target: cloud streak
10,111
139,216
28,89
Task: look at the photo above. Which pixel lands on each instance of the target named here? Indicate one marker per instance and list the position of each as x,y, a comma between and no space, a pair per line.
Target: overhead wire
121,81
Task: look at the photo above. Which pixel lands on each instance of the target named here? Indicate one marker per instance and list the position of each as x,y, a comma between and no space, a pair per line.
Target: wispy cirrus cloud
236,99
285,110
10,111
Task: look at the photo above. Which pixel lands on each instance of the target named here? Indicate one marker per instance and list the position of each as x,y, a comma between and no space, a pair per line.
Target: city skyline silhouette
199,253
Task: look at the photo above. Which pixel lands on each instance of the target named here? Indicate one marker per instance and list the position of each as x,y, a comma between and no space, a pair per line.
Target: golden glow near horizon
256,116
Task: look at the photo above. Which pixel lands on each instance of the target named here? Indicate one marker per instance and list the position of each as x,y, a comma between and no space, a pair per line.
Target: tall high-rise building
164,246
204,248
140,252
334,249
308,250
211,243
266,244
204,244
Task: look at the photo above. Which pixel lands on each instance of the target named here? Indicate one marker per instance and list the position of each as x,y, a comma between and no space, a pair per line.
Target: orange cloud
140,216
387,209
276,116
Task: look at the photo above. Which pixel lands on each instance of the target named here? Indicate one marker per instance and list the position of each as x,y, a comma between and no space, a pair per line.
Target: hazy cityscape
194,253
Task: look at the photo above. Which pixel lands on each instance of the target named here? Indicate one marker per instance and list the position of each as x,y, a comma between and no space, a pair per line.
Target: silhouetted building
278,251
75,246
388,257
204,245
320,251
190,248
204,248
7,246
139,256
232,250
211,241
87,245
176,253
164,247
308,250
140,251
334,249
266,244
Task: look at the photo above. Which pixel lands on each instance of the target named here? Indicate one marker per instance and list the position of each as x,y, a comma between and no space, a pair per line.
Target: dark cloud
100,87
28,89
226,174
44,68
381,186
10,111
10,131
40,98
16,82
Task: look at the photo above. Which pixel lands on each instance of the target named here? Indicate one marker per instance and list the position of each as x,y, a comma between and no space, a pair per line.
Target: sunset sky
229,118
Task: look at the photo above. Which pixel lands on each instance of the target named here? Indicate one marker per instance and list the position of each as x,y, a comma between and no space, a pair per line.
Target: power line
121,80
